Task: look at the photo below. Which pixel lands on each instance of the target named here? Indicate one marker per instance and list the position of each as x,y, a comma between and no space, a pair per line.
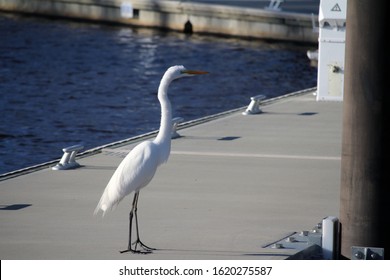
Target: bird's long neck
164,134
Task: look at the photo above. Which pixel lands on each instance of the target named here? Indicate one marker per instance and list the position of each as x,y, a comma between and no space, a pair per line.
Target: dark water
62,83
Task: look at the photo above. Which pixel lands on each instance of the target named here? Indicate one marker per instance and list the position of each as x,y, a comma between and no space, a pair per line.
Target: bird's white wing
133,173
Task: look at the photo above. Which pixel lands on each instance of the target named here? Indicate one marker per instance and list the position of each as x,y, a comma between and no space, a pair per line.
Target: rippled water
62,83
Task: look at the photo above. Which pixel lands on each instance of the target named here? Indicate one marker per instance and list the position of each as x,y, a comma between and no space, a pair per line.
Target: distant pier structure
205,18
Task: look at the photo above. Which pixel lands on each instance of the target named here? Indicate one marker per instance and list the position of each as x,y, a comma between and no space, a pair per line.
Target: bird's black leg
138,241
129,249
133,213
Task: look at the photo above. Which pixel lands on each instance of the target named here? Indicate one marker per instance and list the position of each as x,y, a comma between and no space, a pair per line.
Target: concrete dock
231,186
293,22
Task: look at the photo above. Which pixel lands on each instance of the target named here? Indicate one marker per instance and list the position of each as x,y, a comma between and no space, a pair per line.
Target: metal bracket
299,240
254,106
175,123
323,237
68,159
367,253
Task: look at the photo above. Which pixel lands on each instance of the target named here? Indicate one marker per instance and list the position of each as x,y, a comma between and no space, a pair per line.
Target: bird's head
179,71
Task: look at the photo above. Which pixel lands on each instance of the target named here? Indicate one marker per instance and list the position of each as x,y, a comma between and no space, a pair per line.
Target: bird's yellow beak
194,72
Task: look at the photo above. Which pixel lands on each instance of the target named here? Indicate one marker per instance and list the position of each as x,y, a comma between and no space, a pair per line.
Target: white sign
127,10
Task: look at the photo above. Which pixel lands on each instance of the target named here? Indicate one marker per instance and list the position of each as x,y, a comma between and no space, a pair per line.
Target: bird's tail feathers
107,202
97,209
103,205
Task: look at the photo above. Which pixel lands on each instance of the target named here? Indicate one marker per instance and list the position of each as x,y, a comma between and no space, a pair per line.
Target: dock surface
231,186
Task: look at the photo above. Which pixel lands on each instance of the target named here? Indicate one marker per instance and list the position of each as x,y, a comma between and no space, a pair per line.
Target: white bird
139,166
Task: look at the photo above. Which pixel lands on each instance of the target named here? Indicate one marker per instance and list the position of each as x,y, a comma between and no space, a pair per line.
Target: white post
330,236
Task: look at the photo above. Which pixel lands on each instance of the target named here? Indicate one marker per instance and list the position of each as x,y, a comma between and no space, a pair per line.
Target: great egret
139,166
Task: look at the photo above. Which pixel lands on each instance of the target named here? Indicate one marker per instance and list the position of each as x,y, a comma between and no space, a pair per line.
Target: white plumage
133,173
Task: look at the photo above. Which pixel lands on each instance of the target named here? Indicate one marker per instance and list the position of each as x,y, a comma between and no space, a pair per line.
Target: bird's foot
135,251
146,249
